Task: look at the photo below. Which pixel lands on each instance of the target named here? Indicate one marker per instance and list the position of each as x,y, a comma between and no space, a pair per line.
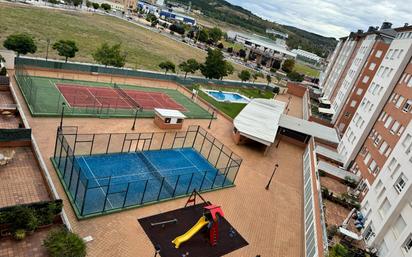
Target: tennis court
45,96
110,172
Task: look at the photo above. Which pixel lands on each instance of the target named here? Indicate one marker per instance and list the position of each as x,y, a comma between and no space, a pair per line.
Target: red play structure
210,219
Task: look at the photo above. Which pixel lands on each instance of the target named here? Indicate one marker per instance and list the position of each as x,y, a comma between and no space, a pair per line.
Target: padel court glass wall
108,172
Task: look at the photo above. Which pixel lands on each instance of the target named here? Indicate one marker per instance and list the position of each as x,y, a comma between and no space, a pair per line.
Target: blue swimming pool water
129,179
228,97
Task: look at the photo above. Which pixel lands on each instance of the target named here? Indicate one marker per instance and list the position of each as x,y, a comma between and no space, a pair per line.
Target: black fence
94,196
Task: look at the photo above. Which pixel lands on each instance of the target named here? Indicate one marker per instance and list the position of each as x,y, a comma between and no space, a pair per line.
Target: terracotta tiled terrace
11,120
270,220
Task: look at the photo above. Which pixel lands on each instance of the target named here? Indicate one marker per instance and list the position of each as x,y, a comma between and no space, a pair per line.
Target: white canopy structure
169,113
259,120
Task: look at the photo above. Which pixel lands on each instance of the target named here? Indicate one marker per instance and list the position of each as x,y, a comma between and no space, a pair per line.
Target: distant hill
236,15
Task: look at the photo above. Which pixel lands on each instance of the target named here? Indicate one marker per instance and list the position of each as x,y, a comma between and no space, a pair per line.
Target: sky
331,18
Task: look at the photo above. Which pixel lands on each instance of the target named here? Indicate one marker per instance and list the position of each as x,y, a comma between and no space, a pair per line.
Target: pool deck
271,221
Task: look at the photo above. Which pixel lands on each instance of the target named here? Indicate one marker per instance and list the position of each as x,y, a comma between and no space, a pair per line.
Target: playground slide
191,232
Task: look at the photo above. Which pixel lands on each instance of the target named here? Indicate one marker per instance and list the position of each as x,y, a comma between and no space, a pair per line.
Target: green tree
215,67
288,65
268,79
244,75
20,43
63,243
294,76
110,55
2,59
95,6
66,48
257,75
89,4
106,6
190,65
215,34
167,65
229,69
203,35
338,250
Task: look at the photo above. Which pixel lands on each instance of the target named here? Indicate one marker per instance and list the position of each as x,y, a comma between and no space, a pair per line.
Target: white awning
326,111
336,171
328,153
309,128
349,234
259,120
169,113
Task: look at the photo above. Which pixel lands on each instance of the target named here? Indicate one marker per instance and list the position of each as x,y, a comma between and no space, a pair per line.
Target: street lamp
271,177
47,49
211,119
62,114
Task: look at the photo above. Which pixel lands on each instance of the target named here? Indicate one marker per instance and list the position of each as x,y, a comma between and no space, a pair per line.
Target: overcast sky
334,18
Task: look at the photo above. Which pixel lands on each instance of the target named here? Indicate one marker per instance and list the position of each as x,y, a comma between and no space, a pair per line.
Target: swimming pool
223,96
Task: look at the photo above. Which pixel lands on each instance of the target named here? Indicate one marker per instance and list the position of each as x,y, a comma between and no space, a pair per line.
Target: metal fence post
210,151
190,183
108,143
203,180
213,183
144,192
84,196
57,140
177,182
107,193
194,141
77,186
125,197
91,147
161,186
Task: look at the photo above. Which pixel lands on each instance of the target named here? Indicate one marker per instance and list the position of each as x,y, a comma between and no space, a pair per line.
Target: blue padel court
125,179
109,172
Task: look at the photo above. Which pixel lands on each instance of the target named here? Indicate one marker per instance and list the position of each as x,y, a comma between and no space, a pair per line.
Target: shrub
276,90
63,243
3,71
332,230
24,218
19,234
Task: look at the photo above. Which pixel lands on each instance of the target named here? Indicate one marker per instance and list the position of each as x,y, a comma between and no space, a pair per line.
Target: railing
102,194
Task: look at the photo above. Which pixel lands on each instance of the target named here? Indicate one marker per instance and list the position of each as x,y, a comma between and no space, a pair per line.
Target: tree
190,65
203,36
63,243
229,69
106,7
110,55
230,49
338,250
257,75
89,4
268,79
215,34
242,53
276,64
66,48
244,75
167,65
2,59
20,43
177,28
288,65
215,67
276,90
95,6
294,76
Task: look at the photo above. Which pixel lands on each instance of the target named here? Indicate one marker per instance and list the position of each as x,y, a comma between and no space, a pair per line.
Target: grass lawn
233,109
302,68
145,49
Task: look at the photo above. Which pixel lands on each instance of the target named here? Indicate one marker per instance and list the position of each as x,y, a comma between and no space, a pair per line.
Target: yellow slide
191,232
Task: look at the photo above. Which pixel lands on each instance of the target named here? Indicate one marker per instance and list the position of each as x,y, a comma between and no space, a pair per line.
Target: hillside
238,16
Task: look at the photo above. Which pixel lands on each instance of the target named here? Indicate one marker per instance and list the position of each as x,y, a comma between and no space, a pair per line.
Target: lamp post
135,117
211,119
61,116
47,48
271,177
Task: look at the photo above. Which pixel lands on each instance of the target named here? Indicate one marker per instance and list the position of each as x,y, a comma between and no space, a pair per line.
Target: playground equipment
210,218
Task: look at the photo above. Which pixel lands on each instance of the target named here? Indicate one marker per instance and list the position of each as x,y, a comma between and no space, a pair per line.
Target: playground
195,230
45,97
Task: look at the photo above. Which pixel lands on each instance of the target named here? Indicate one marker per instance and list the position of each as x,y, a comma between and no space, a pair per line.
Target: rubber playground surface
45,96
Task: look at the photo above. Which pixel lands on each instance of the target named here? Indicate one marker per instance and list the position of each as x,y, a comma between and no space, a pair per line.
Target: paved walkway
271,221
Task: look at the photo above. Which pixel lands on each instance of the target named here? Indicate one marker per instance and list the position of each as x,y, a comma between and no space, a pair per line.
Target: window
409,83
378,186
388,152
377,140
365,79
368,233
384,208
407,246
353,103
399,226
373,167
394,53
383,249
395,127
388,122
400,183
167,120
400,101
400,53
359,91
383,147
378,54
367,158
389,53
407,107
372,66
407,77
407,140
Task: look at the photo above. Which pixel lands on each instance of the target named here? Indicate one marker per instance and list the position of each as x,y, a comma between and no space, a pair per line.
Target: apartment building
358,79
388,206
383,85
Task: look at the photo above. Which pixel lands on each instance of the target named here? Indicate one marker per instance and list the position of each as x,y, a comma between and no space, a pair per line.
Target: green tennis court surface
45,96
